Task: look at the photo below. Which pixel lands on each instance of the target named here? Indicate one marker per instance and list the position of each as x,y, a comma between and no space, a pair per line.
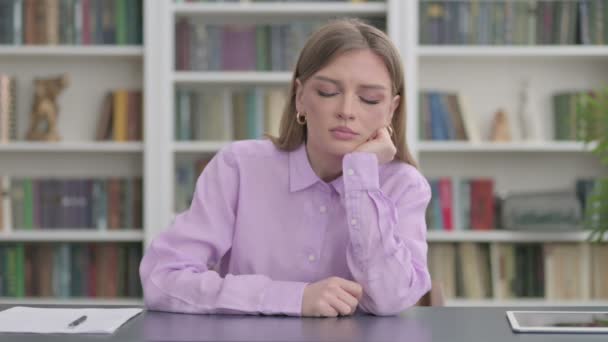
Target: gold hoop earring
300,118
390,130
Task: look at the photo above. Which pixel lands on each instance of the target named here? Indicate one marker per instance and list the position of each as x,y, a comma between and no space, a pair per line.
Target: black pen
78,321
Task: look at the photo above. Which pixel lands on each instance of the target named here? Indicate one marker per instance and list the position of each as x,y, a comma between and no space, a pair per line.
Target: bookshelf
493,75
94,69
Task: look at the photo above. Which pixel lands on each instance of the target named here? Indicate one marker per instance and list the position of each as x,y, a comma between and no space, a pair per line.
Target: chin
341,148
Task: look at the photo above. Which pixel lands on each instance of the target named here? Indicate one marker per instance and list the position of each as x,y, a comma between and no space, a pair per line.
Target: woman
325,218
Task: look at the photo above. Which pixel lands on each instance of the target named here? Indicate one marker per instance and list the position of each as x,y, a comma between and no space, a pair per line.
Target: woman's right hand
331,297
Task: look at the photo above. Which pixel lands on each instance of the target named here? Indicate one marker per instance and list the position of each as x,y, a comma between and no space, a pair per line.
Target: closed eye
324,94
371,102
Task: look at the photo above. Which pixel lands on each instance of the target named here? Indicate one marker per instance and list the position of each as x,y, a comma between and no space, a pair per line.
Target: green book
20,270
262,47
121,22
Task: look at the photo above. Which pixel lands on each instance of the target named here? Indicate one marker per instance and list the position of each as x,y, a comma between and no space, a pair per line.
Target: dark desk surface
417,325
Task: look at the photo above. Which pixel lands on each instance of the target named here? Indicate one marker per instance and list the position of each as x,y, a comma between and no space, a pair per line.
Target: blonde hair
328,42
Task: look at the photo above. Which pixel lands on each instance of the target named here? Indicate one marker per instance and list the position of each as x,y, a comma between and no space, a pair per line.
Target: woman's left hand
381,145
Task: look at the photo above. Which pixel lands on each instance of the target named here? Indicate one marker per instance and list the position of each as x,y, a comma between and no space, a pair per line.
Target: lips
343,133
344,129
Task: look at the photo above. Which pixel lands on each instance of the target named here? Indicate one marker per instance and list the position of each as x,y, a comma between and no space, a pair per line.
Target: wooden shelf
506,236
522,302
72,301
72,235
72,146
524,147
71,51
451,51
199,146
316,9
232,77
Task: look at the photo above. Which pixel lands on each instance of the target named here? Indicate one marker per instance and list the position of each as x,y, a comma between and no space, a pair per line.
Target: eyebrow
338,83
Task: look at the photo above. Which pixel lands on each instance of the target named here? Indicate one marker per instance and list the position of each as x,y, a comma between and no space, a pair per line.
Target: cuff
360,171
283,297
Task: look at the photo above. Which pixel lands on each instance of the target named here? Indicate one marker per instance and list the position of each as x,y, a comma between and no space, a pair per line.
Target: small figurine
45,111
500,127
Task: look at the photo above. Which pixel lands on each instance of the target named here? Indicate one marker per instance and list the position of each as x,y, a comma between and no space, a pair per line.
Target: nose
346,110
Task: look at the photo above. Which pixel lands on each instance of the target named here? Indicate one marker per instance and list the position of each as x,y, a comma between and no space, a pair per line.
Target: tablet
559,321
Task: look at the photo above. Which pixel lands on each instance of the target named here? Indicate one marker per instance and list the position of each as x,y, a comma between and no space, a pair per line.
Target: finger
348,299
340,306
327,310
352,287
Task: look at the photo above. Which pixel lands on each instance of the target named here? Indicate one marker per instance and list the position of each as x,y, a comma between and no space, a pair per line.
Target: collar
301,174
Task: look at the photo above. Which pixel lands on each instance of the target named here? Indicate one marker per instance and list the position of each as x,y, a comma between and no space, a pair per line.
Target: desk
419,324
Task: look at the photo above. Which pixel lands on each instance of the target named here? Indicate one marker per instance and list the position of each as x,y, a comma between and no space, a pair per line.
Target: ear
299,91
394,105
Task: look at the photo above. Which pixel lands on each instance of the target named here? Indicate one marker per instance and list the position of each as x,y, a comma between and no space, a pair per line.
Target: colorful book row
444,117
113,203
554,271
70,270
71,22
121,117
461,204
273,47
514,22
228,114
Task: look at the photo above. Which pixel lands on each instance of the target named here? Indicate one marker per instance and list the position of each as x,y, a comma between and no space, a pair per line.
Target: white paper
21,319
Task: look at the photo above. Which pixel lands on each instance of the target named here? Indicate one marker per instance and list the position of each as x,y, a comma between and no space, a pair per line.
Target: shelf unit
427,66
92,70
490,78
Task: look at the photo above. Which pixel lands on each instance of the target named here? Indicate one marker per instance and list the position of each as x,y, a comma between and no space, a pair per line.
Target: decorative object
45,111
500,127
524,116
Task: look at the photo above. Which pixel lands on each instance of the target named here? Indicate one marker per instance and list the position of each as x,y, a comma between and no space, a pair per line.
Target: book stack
70,270
461,204
444,116
200,46
514,22
228,114
121,117
91,204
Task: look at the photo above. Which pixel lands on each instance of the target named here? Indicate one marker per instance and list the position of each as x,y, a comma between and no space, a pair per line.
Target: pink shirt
276,226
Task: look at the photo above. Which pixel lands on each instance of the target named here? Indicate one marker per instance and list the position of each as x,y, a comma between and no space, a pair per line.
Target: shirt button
350,172
353,222
322,208
311,257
